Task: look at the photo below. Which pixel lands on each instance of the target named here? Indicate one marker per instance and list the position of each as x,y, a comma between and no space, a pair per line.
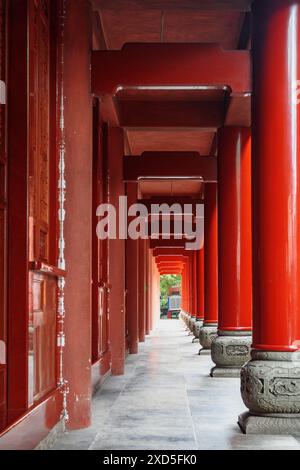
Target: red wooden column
231,349
150,271
188,288
199,292
116,254
141,291
193,290
147,287
183,309
155,293
209,329
189,292
183,293
78,222
132,279
270,381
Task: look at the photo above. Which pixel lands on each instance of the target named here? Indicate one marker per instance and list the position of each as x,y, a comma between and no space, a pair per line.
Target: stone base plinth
219,371
272,425
208,332
230,350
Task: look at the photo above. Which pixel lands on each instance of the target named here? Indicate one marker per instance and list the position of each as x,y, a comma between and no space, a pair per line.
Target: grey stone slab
146,437
76,440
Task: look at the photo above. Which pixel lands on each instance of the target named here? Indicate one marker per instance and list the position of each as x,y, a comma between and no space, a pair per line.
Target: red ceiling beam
170,65
155,107
170,266
239,5
169,260
160,165
170,200
169,252
164,273
171,243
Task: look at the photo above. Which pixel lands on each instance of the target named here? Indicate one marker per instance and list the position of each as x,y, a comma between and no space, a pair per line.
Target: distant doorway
170,296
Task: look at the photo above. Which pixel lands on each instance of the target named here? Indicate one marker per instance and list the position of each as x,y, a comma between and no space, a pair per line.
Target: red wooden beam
160,165
170,65
169,265
238,5
169,261
170,200
171,243
169,252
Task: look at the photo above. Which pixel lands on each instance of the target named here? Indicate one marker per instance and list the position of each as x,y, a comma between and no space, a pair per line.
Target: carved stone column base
197,326
191,323
208,332
183,316
276,425
230,350
270,388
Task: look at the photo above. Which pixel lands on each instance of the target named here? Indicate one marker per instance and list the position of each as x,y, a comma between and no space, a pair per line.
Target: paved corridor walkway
166,400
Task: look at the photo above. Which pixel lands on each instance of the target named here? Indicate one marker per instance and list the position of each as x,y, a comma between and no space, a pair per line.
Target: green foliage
167,281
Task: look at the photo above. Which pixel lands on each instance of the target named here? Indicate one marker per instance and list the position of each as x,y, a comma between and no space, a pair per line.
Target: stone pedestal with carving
230,350
208,332
197,327
191,323
184,316
270,388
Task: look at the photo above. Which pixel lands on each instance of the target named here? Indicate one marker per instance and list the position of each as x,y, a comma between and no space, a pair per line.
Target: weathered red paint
234,229
211,254
276,150
33,426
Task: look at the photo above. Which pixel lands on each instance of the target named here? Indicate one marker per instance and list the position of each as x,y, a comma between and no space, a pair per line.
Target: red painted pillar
147,286
231,349
132,279
182,313
270,382
150,289
78,222
200,285
155,294
189,287
195,283
185,289
186,269
194,279
116,254
141,291
209,330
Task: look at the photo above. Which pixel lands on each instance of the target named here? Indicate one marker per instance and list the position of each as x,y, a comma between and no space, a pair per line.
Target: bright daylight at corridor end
149,228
